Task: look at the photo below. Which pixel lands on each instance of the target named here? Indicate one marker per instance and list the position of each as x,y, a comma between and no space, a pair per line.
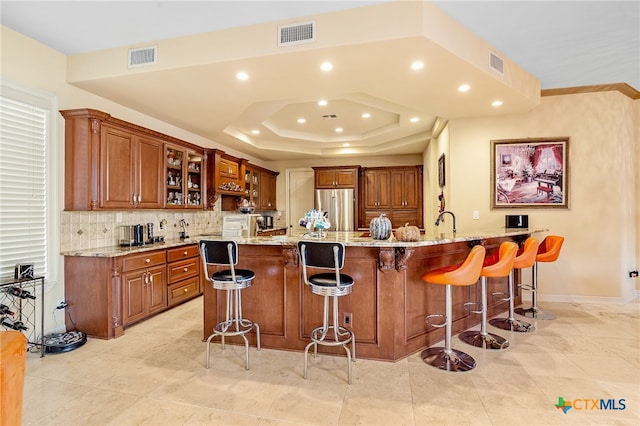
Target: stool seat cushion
527,256
503,264
549,249
241,275
465,274
329,280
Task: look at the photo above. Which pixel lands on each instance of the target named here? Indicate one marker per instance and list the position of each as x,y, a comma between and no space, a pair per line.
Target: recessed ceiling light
417,65
414,119
302,120
255,132
242,75
326,66
322,102
339,129
366,115
496,103
346,145
464,88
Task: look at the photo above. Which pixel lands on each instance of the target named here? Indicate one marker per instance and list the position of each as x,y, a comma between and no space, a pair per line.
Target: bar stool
525,259
494,268
232,280
330,285
446,358
548,251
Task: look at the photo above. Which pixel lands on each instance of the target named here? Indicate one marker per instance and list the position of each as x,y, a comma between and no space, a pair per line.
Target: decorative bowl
246,209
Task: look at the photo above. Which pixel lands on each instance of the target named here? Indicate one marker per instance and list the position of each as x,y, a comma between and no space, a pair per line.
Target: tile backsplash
100,229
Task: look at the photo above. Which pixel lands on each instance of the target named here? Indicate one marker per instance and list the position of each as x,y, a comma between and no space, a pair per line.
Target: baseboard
567,298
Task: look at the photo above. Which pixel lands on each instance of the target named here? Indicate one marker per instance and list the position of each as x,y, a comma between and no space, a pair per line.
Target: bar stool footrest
427,319
344,336
501,296
467,307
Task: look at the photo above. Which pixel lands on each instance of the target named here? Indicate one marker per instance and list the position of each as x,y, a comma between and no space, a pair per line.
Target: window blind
23,207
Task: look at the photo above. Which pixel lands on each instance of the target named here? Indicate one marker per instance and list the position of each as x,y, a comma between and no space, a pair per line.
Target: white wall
601,225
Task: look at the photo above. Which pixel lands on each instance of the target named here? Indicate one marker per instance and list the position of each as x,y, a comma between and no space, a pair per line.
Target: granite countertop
348,238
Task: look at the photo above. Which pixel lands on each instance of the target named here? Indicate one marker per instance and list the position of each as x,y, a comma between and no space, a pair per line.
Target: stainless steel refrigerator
340,204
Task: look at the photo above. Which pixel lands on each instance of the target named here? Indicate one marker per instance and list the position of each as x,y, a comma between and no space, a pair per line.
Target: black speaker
516,221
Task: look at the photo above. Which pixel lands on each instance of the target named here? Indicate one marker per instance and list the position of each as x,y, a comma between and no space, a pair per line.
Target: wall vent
496,63
142,56
330,116
289,35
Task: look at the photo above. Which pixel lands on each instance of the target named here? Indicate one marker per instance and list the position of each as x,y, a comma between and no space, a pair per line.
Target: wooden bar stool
548,251
525,259
493,268
446,358
232,280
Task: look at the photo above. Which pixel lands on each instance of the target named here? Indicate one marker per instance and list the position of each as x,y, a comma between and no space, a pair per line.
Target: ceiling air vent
142,56
292,34
496,63
330,117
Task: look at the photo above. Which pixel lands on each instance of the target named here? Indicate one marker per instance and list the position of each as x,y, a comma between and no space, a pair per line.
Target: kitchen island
389,300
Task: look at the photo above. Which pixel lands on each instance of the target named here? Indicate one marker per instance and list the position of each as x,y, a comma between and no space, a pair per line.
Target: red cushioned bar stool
548,251
525,259
446,358
493,268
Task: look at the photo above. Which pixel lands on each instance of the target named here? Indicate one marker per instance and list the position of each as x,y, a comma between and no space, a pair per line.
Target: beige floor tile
155,374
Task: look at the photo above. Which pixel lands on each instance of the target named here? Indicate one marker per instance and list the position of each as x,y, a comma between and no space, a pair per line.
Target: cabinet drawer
183,269
144,260
184,252
184,290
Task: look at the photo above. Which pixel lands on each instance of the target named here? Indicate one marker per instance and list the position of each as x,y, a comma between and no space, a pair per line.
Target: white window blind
23,192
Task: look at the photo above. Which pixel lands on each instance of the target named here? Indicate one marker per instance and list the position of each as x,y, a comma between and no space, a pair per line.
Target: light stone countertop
348,238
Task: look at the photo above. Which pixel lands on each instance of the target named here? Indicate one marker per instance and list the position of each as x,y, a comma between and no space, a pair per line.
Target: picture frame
530,173
441,171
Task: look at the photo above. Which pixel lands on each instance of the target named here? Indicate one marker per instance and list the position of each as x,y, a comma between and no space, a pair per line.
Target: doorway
299,187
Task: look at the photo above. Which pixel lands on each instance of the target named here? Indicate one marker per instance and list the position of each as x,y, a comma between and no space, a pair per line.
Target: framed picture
441,180
530,173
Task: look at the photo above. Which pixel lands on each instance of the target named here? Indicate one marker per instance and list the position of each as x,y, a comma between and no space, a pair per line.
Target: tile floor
155,375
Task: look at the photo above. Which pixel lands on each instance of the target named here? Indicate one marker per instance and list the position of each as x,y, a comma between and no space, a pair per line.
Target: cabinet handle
146,278
186,269
139,198
147,260
186,290
150,278
185,253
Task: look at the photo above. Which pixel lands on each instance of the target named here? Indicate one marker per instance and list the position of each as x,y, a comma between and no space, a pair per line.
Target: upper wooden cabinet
228,174
336,177
260,187
394,191
112,164
184,171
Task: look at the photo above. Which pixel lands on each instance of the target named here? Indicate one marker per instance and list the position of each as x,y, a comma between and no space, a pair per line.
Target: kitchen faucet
452,215
184,234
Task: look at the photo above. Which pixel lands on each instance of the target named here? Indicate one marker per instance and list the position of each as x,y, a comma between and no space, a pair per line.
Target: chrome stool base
485,341
535,313
454,361
319,336
511,325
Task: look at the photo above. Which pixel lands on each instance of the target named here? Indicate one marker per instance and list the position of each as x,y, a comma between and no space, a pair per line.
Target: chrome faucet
184,234
452,215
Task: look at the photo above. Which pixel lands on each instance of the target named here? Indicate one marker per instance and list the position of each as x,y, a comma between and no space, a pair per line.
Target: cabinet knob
186,290
185,253
147,261
186,269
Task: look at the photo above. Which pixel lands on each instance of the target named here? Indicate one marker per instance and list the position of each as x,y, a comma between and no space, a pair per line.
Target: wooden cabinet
260,187
183,271
336,177
394,191
106,294
228,174
376,189
144,285
267,191
184,177
112,164
129,170
272,232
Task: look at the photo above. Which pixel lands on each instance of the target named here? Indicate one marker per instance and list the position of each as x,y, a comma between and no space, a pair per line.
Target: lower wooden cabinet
107,294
